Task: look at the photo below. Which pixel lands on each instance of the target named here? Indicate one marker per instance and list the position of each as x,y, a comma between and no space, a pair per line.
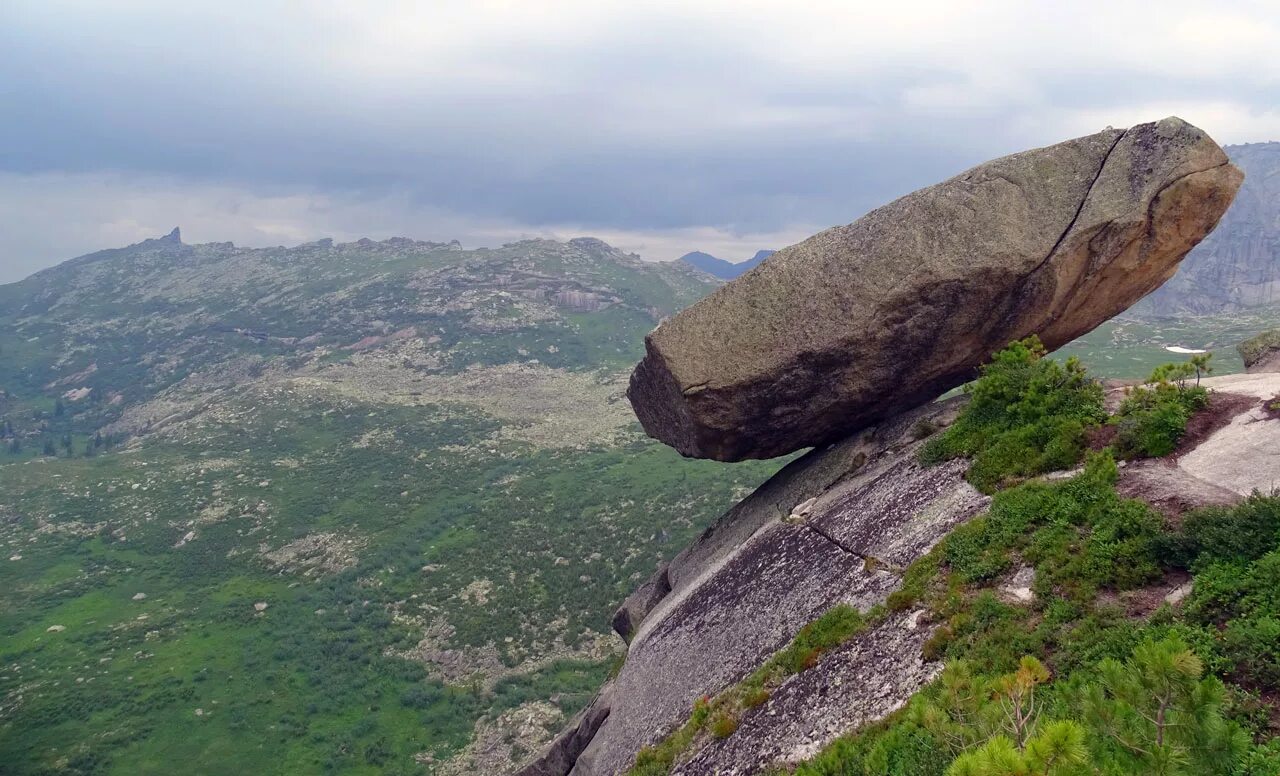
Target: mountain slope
1238,266
361,508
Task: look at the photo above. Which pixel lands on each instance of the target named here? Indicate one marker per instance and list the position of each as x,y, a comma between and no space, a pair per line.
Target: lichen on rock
863,321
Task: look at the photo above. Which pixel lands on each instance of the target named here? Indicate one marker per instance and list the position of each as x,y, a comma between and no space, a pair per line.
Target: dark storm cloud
741,118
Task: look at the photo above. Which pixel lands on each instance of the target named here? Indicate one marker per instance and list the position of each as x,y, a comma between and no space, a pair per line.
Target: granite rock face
1238,266
864,321
859,682
836,526
1252,436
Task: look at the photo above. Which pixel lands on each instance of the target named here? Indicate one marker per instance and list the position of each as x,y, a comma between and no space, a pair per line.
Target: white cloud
1227,122
657,121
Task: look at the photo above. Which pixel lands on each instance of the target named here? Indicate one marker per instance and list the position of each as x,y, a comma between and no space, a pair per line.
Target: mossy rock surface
1262,353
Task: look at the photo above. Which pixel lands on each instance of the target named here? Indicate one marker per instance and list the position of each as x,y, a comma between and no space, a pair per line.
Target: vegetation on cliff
1026,415
1153,417
1086,679
1259,347
1096,670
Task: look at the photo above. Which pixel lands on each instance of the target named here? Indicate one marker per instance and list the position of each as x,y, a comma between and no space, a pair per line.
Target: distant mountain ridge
721,268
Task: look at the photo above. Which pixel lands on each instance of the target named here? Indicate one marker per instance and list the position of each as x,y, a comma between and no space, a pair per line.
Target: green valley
343,508
325,509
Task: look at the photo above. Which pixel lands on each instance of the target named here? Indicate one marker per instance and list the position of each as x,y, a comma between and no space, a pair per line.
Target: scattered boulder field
842,343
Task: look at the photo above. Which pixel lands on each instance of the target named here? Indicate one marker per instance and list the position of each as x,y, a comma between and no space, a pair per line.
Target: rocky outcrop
559,758
1238,266
863,321
833,343
862,681
836,526
1252,436
1261,353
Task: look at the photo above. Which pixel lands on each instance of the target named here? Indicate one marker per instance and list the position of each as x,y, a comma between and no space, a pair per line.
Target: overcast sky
661,127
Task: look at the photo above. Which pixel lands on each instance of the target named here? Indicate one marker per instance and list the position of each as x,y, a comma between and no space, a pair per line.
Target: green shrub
1153,419
935,646
755,697
1243,599
915,582
724,726
1058,750
903,749
1245,532
1157,713
906,750
1027,414
1252,646
1145,692
657,760
701,711
1219,590
1079,534
1153,713
993,635
1121,549
1262,760
833,628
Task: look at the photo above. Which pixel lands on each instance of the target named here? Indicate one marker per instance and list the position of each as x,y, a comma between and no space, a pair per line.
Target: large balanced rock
1238,266
860,322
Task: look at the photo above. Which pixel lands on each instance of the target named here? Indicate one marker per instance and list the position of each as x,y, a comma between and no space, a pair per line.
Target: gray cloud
663,121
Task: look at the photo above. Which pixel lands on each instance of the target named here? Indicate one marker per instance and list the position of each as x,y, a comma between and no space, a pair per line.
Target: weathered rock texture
1238,266
801,544
1238,452
1245,455
862,681
836,526
863,321
1262,353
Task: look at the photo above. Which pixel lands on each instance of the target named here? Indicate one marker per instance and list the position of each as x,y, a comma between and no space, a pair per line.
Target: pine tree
1155,714
1057,750
1201,364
